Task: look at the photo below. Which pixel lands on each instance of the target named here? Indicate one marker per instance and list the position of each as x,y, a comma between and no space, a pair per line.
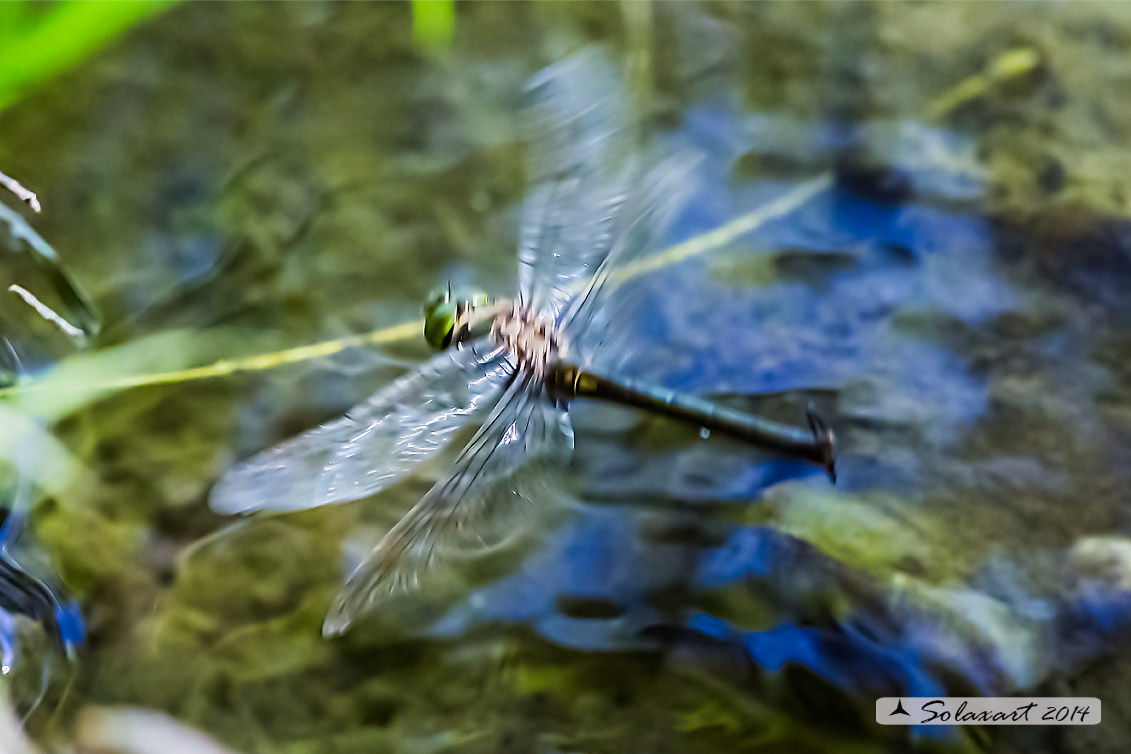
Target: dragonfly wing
659,195
579,173
374,444
403,428
472,504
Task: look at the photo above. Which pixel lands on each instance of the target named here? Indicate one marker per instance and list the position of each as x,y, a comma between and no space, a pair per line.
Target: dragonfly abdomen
566,381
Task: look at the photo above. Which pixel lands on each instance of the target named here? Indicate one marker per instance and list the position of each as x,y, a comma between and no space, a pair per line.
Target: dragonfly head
447,317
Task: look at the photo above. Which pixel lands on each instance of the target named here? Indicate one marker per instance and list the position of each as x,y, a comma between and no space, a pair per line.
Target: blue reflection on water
877,300
27,604
849,662
689,327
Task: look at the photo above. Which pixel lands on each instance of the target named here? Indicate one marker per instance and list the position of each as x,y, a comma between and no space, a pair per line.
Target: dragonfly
512,366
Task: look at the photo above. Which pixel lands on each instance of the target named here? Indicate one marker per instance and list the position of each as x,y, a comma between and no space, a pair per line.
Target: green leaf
433,23
37,45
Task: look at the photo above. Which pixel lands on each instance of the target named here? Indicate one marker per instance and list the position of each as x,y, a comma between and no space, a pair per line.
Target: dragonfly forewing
580,173
640,227
376,443
472,508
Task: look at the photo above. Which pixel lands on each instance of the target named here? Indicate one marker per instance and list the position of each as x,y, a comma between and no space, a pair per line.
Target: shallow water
239,178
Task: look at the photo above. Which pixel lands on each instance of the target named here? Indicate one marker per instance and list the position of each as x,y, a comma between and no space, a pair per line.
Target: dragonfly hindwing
471,508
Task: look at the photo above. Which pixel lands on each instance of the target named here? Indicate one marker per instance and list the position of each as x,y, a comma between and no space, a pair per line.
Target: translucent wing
471,504
640,225
579,172
375,443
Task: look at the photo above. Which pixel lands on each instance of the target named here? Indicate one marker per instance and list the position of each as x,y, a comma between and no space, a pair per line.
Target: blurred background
943,273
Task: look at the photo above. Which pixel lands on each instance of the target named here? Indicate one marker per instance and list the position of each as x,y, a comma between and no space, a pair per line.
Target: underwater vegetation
909,219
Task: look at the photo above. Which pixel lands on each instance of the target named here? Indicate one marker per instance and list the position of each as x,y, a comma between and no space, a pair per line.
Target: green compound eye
436,297
439,321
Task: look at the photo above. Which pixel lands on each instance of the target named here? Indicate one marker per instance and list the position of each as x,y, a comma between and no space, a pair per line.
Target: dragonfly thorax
534,341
